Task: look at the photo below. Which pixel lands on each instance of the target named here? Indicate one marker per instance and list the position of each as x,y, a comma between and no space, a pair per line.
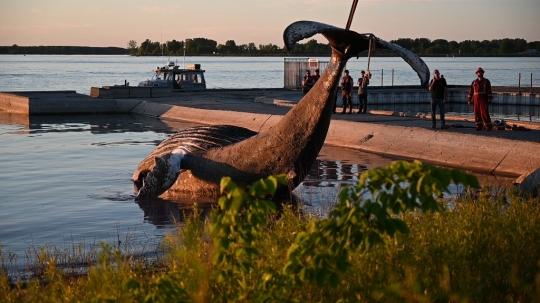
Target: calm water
80,73
68,179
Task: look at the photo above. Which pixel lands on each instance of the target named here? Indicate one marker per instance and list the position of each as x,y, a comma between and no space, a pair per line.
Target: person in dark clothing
346,92
316,76
307,82
363,82
438,88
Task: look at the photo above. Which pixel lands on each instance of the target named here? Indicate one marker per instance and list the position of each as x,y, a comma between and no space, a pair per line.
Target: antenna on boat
161,42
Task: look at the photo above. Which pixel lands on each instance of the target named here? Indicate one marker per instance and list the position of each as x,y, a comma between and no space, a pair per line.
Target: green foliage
132,47
203,46
440,47
358,221
175,47
200,46
478,251
235,232
62,50
230,47
320,254
149,47
389,239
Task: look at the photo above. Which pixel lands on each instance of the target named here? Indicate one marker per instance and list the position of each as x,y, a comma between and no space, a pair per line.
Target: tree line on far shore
204,47
61,50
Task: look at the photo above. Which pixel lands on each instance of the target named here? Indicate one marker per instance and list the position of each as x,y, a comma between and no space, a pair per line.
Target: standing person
363,82
307,82
346,92
481,91
316,76
438,88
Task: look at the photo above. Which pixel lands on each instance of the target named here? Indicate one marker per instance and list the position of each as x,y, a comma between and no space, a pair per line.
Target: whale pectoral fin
162,176
414,61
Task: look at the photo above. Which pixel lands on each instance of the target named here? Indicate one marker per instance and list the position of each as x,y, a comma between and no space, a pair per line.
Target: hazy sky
115,22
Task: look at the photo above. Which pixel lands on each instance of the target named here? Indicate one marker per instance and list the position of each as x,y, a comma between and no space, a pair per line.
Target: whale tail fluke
346,42
351,43
419,66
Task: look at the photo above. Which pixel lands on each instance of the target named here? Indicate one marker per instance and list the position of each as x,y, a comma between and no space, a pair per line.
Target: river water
80,72
67,180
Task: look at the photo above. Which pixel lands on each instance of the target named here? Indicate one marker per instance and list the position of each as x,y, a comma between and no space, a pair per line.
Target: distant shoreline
273,55
88,50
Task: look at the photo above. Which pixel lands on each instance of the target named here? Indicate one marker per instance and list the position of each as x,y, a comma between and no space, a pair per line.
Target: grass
481,249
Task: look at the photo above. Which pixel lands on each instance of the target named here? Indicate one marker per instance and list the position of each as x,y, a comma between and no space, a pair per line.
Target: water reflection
166,213
163,213
325,173
316,195
102,124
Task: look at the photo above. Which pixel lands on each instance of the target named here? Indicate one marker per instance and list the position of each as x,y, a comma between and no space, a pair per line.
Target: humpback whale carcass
194,160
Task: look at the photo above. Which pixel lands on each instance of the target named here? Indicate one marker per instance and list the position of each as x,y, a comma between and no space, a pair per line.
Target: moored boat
171,75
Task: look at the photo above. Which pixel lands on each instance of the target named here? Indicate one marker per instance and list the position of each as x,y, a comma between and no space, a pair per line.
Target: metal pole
161,42
519,84
531,84
392,77
369,55
382,77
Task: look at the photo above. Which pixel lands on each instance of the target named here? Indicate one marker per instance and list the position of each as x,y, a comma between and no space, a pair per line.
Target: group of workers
479,95
346,86
308,81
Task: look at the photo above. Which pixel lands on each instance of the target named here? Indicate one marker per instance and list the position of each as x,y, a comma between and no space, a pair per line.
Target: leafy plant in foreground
235,231
321,253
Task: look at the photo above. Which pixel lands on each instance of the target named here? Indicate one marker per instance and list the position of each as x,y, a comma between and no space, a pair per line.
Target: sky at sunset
115,22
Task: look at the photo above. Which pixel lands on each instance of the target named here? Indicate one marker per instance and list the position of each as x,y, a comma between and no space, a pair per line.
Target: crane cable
368,73
349,22
351,14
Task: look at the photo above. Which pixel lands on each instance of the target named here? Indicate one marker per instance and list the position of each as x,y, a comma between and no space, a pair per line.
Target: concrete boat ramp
510,153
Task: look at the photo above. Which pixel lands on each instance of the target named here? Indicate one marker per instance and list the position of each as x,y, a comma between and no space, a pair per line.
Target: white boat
171,75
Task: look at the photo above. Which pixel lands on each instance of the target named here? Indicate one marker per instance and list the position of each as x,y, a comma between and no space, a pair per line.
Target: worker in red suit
481,91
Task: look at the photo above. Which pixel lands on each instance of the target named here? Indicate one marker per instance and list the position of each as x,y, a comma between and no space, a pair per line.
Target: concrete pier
62,102
405,136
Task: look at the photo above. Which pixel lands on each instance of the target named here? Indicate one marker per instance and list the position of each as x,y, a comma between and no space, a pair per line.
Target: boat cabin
174,77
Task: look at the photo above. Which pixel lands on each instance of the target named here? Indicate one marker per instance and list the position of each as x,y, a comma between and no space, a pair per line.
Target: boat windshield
162,76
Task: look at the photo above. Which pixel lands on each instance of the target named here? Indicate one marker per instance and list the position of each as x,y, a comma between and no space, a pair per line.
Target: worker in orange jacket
481,91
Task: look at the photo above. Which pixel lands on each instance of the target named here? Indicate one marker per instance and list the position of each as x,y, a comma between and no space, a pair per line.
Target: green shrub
390,238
